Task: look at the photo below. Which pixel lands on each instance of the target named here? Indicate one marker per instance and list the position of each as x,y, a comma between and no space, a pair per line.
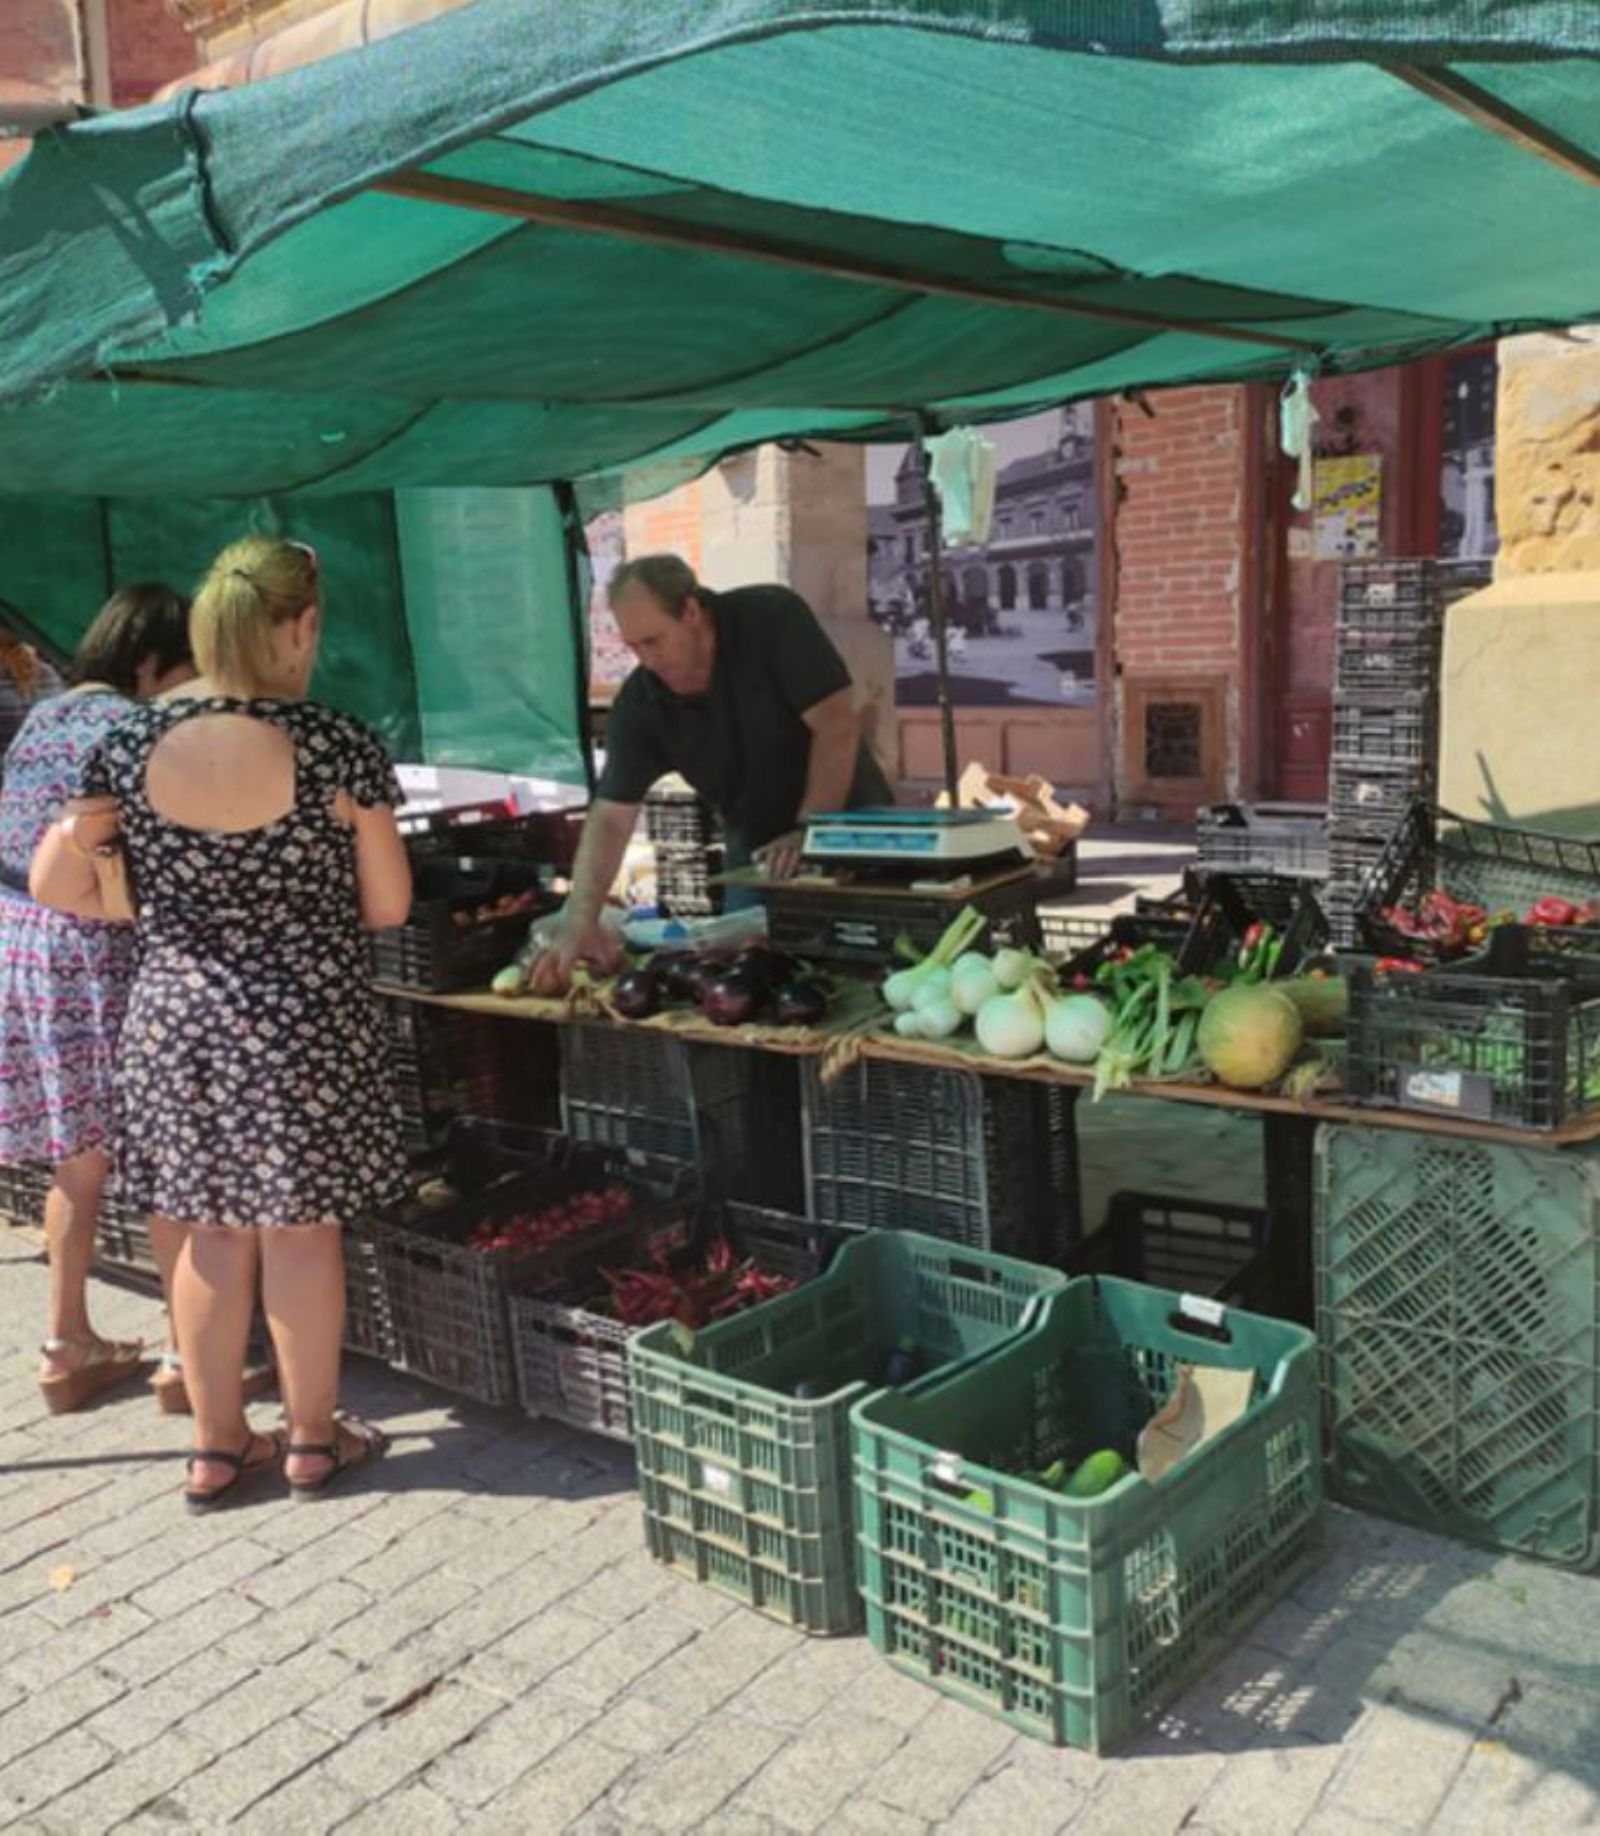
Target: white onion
1076,1028
1010,1025
900,989
940,1019
1012,967
933,986
908,1025
972,982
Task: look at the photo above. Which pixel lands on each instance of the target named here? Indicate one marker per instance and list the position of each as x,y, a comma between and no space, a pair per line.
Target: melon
1248,1035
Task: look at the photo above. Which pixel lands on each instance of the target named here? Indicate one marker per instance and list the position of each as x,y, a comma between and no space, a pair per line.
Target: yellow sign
1346,503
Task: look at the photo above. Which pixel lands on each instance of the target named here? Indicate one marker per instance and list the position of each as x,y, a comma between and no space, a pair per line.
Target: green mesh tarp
533,240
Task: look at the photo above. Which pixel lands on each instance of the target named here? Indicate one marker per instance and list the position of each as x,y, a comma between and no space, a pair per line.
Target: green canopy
532,241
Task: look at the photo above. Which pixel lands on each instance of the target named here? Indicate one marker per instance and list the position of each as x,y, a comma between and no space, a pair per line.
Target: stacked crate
688,848
1388,640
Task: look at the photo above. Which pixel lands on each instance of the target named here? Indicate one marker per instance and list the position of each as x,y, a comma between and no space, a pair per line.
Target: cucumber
1097,1474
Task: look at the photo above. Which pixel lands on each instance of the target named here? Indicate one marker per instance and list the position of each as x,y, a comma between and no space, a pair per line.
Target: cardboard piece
1050,827
1203,1402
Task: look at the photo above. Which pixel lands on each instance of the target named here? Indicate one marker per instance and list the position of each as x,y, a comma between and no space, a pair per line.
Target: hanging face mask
1297,420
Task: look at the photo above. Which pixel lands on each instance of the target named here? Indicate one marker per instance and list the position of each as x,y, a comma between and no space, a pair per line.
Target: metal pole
941,660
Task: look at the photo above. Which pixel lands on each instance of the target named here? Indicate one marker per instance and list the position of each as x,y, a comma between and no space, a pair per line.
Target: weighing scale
929,844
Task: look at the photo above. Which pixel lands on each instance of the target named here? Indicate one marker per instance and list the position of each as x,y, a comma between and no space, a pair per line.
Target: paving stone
232,1784
559,1793
168,1642
413,1810
307,1805
265,1696
805,1681
707,1770
1155,1794
106,1800
1270,1790
1501,1790
534,1650
225,1567
364,1697
40,1663
284,1631
1016,1799
44,1715
867,1817
630,1651
313,1565
802,1786
33,1781
389,1623
701,1679
1399,1768
501,1749
141,1716
946,1754
389,1751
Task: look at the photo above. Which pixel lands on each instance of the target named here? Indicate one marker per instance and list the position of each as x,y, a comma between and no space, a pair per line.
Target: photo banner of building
1020,609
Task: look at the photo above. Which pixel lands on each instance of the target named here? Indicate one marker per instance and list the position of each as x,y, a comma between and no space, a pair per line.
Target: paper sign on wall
1346,501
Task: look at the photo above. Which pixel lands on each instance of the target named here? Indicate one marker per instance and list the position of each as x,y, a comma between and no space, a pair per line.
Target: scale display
954,837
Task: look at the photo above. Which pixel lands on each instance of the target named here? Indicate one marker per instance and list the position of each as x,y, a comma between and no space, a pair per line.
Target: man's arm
604,841
835,743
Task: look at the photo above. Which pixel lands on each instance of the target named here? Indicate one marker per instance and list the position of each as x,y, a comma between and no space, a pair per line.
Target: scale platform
925,842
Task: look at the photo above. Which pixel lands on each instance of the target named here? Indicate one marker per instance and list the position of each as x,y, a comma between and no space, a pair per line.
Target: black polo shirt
743,744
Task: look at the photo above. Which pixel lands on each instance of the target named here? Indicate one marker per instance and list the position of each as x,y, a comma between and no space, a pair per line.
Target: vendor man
742,694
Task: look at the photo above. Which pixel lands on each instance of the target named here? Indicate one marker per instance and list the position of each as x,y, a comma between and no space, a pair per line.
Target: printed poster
1346,499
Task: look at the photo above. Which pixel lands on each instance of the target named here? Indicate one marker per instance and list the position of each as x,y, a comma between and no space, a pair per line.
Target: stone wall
1547,459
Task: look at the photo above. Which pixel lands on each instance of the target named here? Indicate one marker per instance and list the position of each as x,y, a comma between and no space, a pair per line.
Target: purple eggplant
800,1003
637,994
730,999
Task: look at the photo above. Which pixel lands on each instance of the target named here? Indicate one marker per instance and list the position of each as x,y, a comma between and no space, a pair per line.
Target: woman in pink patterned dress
64,981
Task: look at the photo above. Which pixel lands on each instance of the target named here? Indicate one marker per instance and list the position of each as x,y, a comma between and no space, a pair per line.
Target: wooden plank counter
850,1027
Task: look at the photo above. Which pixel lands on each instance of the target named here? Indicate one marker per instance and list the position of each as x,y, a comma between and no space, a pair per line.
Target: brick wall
148,48
1179,550
39,43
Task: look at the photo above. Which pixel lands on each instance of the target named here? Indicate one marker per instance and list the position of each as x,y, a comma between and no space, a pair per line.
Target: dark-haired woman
64,981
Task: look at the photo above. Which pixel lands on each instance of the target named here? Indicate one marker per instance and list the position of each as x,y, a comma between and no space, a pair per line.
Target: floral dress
254,1077
63,981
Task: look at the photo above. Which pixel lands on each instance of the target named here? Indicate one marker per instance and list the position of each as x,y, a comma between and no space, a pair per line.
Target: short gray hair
668,578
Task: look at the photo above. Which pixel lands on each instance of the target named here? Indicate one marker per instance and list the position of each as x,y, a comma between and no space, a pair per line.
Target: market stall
585,252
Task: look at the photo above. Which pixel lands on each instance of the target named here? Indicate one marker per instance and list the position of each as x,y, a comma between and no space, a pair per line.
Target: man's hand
575,941
781,856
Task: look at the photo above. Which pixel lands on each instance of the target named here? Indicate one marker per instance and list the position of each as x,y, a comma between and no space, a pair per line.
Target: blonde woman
257,1107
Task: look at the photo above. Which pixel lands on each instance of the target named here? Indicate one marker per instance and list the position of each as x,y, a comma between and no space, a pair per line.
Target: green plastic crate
1458,1313
747,1486
1075,1621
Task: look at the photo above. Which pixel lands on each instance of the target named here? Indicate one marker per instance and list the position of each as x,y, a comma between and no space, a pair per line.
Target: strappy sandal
106,1362
243,1468
374,1445
172,1393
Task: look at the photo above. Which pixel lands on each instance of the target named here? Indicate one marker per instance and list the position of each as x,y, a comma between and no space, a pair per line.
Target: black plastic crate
571,1351
444,945
1188,1246
444,1301
366,1309
1384,730
1493,865
1371,798
1287,838
22,1195
983,1161
1521,1051
645,1089
858,925
489,831
123,1240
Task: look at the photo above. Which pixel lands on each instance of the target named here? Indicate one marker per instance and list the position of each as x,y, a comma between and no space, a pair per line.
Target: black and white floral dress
254,1080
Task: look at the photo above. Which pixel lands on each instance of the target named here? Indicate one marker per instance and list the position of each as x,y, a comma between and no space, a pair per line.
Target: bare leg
302,1284
71,1217
166,1241
214,1295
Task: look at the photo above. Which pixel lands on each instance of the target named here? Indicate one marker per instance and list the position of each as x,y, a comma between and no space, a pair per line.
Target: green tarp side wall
492,630
465,591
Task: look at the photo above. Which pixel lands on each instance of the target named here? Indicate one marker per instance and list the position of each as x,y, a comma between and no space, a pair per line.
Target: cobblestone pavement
473,1638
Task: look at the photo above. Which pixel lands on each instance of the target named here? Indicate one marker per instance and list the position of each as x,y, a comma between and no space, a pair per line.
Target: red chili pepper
1552,911
1402,965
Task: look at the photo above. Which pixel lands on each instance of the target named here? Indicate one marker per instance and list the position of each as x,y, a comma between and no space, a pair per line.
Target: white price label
945,1469
1201,1307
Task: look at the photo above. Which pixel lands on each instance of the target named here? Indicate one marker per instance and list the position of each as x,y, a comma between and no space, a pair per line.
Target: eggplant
731,999
800,1003
768,968
637,994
